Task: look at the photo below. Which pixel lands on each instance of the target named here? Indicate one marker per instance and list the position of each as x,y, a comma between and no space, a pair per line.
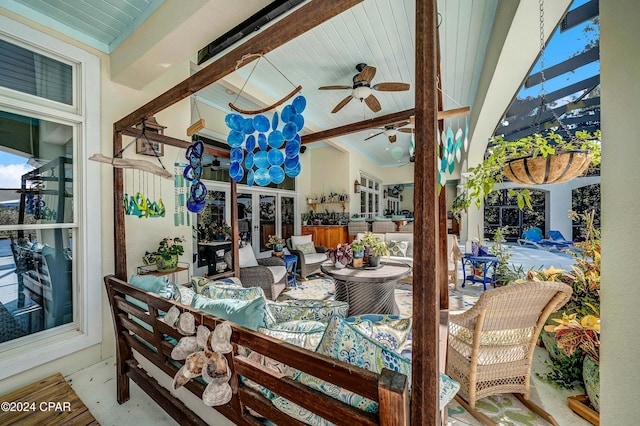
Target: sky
12,167
560,47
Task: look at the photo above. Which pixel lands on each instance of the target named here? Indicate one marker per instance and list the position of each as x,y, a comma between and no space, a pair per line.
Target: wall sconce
384,193
356,186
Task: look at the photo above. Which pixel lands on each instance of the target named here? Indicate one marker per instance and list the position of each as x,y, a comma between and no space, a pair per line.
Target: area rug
504,409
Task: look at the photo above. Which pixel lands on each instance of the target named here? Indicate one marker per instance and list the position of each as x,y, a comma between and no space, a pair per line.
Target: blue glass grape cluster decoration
192,173
264,161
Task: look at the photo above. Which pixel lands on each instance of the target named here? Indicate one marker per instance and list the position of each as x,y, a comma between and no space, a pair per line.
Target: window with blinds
29,72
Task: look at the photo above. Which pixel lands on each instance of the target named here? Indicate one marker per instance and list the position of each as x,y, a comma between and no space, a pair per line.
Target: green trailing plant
460,205
487,174
379,249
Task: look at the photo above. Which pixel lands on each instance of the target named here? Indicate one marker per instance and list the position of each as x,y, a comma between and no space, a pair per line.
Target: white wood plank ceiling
379,33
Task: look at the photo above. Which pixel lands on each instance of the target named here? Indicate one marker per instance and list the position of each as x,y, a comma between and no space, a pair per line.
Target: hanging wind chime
257,142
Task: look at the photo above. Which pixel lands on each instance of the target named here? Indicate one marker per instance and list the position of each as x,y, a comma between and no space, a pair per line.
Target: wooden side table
145,270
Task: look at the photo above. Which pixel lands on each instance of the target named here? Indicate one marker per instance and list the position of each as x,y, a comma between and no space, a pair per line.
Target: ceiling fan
214,163
391,130
362,88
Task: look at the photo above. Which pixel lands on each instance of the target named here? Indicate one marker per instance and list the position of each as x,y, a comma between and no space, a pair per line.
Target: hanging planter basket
557,168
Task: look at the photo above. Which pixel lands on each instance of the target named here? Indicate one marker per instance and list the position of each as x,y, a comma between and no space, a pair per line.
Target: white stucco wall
620,296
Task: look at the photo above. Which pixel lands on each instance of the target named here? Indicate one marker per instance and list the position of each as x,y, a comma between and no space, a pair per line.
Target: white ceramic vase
339,265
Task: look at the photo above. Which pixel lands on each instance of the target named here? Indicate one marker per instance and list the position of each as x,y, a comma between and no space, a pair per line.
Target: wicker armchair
454,254
308,264
354,227
263,275
382,226
491,345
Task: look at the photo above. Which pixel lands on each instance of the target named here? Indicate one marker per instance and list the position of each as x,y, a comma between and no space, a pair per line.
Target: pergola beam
523,106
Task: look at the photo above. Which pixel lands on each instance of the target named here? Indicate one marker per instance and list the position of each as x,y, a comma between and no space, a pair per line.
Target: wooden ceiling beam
359,126
288,28
372,123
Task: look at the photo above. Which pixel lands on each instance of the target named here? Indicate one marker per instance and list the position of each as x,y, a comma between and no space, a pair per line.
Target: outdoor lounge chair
490,346
558,240
532,237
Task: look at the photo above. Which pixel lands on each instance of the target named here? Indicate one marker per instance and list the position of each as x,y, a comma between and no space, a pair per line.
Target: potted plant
341,256
358,249
276,242
508,158
379,248
460,205
221,231
166,256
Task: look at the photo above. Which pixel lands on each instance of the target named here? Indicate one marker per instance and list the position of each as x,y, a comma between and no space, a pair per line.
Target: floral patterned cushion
344,341
199,283
299,413
311,310
390,331
214,291
305,334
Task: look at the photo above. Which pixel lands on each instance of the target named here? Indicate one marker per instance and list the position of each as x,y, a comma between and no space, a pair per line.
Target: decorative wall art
192,173
181,187
139,204
449,151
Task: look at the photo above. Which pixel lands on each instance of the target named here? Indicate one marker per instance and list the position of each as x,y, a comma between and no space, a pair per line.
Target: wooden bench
389,389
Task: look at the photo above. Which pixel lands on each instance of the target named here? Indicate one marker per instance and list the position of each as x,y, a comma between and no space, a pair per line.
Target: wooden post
393,391
426,271
119,232
443,279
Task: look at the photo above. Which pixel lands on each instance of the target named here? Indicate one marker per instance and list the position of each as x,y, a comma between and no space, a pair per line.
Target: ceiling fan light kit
362,89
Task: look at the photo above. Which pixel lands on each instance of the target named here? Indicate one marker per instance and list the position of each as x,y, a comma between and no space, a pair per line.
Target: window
50,120
370,196
501,211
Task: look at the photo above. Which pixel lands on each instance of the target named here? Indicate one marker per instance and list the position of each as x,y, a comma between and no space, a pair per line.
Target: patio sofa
260,379
399,252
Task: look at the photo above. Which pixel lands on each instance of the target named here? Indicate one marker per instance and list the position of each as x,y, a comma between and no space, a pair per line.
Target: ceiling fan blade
393,138
334,87
366,74
373,136
342,104
391,87
406,130
372,103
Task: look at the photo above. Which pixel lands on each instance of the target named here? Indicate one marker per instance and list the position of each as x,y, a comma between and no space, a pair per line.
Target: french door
263,213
